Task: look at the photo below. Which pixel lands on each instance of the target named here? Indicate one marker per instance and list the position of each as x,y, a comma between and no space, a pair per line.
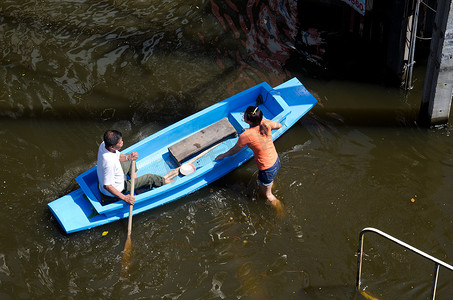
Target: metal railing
437,262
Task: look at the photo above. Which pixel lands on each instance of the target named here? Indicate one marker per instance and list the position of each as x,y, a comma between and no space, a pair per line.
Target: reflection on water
264,35
71,69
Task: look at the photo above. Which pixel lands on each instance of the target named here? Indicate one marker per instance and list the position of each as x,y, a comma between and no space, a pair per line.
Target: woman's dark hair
112,137
254,115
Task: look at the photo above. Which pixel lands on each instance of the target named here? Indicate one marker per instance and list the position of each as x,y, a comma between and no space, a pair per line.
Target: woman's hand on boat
129,199
230,152
220,156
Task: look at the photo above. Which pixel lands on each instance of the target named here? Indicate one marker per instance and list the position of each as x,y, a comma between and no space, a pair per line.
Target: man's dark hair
112,137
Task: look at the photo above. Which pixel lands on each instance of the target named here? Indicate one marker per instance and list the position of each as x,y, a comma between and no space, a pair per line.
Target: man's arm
126,198
130,156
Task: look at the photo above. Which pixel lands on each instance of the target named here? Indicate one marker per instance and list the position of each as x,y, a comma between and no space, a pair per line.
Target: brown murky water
71,69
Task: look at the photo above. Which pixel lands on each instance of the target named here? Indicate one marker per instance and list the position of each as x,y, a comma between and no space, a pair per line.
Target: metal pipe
359,261
436,261
435,277
411,62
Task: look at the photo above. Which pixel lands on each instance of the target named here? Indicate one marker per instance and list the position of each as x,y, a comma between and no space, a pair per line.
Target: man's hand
133,156
126,198
129,199
130,156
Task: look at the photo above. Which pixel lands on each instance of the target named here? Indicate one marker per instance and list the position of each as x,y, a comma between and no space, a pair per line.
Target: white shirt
109,170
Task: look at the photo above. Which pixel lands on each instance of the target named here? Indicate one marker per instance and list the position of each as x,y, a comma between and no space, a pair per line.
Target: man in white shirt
113,166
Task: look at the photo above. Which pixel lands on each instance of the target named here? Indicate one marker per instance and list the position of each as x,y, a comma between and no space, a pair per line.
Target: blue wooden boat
82,209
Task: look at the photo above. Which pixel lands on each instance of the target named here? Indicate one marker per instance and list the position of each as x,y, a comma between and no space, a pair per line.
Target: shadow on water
123,109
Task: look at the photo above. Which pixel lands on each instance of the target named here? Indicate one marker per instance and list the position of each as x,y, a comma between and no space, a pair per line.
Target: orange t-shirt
262,146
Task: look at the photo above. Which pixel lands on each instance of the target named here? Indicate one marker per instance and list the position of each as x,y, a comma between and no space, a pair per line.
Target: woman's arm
230,152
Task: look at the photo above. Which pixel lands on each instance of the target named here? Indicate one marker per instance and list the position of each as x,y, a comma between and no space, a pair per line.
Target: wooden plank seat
201,140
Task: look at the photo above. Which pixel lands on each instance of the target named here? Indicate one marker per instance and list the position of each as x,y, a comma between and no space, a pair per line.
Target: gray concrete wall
438,90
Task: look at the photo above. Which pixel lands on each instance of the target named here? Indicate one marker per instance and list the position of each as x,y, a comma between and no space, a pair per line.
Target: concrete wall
438,90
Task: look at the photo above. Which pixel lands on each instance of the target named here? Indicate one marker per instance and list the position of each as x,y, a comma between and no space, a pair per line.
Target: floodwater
72,69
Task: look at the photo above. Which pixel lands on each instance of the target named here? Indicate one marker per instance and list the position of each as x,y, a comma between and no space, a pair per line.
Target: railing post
359,260
437,262
435,277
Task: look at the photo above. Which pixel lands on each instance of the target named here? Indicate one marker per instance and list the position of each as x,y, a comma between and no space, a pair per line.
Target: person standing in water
259,138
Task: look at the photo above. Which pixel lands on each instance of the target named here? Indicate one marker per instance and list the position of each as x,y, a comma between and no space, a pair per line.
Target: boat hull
82,210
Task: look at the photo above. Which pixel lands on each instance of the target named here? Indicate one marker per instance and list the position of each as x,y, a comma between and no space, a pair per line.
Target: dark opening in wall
334,40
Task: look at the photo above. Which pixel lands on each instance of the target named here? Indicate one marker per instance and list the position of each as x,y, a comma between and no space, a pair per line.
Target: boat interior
155,157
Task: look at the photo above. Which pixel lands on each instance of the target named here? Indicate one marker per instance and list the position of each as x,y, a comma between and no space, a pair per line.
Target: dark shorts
266,177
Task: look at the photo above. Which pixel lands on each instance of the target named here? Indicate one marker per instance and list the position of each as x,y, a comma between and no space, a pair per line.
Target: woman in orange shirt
259,138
